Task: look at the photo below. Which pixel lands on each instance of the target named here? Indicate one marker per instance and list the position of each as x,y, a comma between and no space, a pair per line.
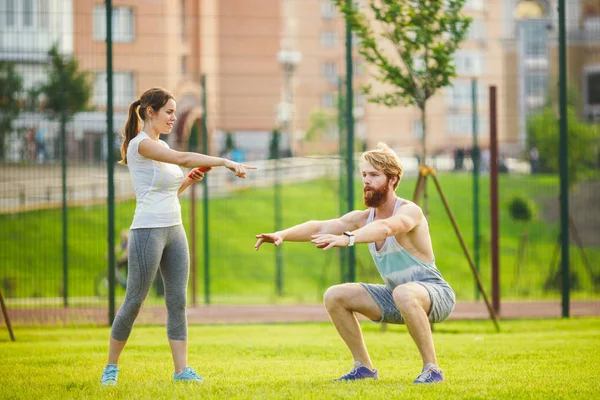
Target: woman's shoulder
140,136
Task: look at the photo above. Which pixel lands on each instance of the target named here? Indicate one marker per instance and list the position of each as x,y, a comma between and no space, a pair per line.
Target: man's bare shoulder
409,208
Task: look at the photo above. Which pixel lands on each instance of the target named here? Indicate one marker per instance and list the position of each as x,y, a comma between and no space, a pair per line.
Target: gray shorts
442,298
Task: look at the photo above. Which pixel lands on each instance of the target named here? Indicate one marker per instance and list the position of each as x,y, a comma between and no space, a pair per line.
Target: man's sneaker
431,374
187,375
109,375
359,372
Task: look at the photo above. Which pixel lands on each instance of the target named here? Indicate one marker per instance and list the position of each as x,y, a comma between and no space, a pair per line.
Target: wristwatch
351,236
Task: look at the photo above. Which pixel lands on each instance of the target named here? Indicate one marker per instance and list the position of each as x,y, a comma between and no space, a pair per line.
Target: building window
10,12
355,40
529,9
328,100
358,68
44,14
329,71
359,100
477,31
460,94
33,75
328,10
536,38
28,13
328,39
468,62
591,92
183,65
360,5
182,22
122,24
593,88
461,125
123,88
592,24
476,5
417,129
537,84
332,132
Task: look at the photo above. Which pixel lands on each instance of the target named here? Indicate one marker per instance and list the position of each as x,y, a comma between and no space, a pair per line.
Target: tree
410,45
67,89
522,210
424,35
11,87
274,143
582,140
229,142
319,123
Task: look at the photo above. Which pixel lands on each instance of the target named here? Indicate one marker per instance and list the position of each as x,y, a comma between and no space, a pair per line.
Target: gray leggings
148,249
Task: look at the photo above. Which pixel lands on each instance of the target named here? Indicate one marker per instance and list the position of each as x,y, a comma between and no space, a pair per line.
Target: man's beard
375,197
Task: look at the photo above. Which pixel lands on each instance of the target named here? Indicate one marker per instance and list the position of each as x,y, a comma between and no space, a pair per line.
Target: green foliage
229,142
68,89
11,86
424,35
411,45
529,359
274,145
522,209
319,123
34,260
582,139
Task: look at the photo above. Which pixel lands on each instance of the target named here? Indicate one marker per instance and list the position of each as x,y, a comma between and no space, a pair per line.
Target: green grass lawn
31,266
539,359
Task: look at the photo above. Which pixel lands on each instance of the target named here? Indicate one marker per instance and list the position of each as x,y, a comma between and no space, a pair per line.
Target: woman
157,238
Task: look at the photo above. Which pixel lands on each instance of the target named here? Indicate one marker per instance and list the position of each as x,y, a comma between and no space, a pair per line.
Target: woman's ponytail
132,128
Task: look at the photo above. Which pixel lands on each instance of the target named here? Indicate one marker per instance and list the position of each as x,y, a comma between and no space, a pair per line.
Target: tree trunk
2,136
521,253
424,159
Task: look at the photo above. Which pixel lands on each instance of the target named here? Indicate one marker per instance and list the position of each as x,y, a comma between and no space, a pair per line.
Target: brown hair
386,160
155,98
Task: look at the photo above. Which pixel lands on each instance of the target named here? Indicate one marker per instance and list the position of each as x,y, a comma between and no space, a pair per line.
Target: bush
522,209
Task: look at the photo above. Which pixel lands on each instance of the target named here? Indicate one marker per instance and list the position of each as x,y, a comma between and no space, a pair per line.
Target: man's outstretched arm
304,232
405,220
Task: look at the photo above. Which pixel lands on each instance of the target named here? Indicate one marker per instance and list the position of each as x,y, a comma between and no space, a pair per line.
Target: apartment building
238,45
28,29
531,44
449,119
512,45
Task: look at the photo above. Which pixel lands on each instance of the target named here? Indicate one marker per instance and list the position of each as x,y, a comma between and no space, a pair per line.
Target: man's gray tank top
397,266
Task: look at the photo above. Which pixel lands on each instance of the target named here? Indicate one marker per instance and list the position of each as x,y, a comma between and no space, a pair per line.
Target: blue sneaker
109,375
431,374
187,375
359,372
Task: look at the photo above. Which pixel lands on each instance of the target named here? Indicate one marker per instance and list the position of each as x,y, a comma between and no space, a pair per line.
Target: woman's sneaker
359,372
431,374
187,375
109,375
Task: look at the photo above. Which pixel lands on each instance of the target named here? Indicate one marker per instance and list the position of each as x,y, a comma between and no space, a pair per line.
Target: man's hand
275,238
327,241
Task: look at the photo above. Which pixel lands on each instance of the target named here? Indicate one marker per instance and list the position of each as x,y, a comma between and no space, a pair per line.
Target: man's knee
335,296
406,298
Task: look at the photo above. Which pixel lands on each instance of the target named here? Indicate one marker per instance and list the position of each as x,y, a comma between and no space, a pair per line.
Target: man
398,237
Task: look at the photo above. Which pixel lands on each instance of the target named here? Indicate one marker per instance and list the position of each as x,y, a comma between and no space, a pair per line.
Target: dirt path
227,314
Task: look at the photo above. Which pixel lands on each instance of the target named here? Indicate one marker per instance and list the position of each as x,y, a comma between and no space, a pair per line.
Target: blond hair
384,159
